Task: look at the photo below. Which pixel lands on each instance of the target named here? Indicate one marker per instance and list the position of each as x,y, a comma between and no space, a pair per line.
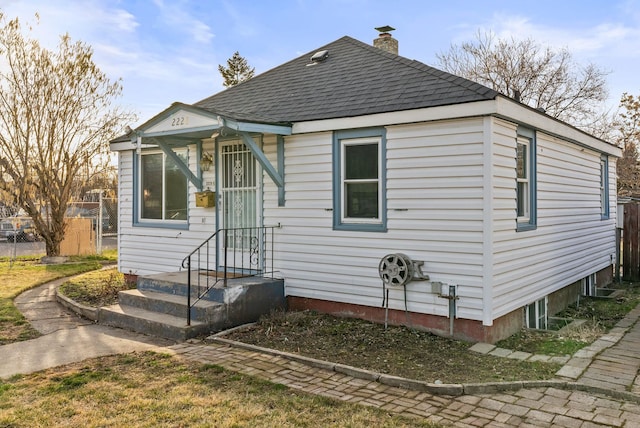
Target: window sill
523,227
360,227
162,225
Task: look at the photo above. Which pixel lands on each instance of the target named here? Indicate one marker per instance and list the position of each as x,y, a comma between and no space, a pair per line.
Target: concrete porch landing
158,306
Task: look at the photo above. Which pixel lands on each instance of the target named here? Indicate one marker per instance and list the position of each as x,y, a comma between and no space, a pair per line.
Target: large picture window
163,188
359,202
526,203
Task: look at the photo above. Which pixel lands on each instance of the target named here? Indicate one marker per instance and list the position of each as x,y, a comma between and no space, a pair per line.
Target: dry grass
155,390
587,332
600,314
398,351
24,274
98,288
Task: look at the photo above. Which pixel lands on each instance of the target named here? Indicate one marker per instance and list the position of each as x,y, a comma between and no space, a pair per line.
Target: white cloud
157,68
175,14
606,39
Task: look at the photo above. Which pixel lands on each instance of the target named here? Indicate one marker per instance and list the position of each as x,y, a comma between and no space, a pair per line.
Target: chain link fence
104,219
18,236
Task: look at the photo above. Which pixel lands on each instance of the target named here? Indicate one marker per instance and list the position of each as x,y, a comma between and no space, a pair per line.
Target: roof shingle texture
356,79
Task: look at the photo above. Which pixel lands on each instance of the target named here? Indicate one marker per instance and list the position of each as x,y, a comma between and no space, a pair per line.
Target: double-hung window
359,179
162,192
526,179
604,187
523,179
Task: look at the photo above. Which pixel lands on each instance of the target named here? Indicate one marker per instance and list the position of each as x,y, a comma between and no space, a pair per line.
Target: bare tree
629,131
540,77
56,117
236,71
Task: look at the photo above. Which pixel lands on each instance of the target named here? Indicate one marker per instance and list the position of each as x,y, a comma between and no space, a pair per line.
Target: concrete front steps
158,306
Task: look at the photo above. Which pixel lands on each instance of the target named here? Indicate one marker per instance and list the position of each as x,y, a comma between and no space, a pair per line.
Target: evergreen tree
236,71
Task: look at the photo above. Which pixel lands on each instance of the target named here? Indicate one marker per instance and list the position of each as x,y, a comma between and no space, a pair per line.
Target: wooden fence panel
79,238
630,249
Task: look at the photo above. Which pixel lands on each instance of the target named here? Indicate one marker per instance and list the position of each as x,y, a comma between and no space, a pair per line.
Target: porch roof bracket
263,128
262,159
184,168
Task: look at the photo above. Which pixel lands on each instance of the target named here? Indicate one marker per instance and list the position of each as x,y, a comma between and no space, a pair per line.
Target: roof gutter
501,106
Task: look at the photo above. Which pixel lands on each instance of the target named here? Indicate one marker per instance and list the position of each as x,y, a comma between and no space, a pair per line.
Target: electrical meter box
206,199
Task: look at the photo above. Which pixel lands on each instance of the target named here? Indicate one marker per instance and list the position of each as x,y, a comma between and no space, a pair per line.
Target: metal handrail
252,242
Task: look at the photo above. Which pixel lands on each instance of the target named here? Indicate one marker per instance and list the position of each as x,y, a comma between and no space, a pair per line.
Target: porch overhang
181,125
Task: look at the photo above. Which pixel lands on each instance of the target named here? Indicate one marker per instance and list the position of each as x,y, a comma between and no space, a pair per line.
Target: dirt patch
397,351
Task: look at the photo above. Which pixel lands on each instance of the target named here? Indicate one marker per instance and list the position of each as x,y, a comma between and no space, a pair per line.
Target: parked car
17,229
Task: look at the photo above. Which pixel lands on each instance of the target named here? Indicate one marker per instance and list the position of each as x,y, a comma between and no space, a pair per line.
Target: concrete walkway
66,337
602,389
612,361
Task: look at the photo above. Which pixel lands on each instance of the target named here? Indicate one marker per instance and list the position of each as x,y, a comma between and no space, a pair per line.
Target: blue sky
168,51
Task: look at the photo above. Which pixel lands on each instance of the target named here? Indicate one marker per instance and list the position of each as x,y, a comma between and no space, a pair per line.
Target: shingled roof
355,79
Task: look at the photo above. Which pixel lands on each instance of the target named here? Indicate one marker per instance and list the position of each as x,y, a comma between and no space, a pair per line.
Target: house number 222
179,121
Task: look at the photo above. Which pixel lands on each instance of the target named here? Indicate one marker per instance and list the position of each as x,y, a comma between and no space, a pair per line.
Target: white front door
240,206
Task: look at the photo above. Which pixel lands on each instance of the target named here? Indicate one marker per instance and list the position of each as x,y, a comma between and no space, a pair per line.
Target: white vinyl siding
149,250
451,201
435,201
570,241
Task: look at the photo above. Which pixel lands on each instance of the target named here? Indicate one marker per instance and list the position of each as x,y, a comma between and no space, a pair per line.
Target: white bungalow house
369,163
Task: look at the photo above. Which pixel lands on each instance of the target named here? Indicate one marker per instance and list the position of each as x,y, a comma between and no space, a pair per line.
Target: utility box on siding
620,216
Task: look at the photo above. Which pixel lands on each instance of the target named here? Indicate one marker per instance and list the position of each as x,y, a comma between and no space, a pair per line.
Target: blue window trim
136,203
338,136
532,223
607,210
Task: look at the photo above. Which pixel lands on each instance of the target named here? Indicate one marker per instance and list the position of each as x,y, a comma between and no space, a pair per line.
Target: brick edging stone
92,313
432,388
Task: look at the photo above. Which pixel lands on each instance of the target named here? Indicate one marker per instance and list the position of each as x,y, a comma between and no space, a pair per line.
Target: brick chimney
385,41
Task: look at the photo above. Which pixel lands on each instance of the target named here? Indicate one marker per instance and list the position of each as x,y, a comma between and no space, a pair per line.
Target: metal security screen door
239,183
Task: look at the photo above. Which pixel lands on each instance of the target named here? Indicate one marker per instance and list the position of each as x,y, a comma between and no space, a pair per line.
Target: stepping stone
482,348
